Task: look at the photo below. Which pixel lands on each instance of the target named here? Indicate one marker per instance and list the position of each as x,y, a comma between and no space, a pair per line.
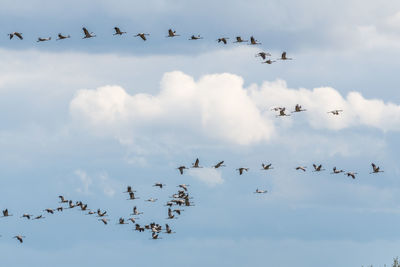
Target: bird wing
85,31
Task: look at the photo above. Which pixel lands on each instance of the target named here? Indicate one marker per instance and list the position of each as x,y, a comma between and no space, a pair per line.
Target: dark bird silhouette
269,61
43,39
254,41
223,40
303,168
266,166
298,108
335,112
240,40
263,55
318,168
6,213
284,57
18,34
142,35
87,34
336,171
351,174
375,169
219,164
241,170
193,37
118,31
62,37
181,168
196,164
172,33
19,238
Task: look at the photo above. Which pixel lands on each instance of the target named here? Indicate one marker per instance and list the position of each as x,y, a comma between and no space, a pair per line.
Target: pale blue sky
168,104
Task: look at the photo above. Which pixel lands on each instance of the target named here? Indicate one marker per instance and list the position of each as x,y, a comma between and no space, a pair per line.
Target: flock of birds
171,33
175,206
298,108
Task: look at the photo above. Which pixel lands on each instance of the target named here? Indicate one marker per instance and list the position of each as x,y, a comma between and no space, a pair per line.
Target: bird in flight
266,166
87,33
241,170
335,112
269,61
181,168
43,39
18,34
263,55
375,169
62,37
172,33
240,40
196,164
318,168
223,40
19,238
283,57
259,191
351,174
193,37
336,171
219,164
118,31
298,108
254,41
142,35
303,168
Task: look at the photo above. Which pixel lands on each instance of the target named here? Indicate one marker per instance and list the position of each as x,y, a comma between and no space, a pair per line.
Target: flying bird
298,108
181,168
6,213
242,169
87,33
335,112
118,31
336,171
223,40
254,41
19,238
375,169
196,164
160,185
283,57
351,174
240,40
43,39
258,191
263,55
195,37
219,164
62,37
172,33
266,166
18,34
142,35
318,168
303,168
269,61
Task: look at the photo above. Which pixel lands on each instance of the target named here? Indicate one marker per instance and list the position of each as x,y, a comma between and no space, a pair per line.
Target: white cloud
217,106
100,182
210,176
85,180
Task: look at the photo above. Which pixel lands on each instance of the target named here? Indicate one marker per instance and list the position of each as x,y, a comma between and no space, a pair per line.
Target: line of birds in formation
178,200
298,108
268,166
171,33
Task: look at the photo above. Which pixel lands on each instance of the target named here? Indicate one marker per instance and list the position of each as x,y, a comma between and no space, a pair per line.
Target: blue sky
85,118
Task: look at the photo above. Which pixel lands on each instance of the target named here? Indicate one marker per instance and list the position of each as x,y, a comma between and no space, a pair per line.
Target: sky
86,118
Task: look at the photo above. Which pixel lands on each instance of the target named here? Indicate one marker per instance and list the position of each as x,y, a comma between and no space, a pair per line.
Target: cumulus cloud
218,106
209,176
100,182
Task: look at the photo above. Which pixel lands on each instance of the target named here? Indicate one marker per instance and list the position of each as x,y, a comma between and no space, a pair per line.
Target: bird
258,191
254,41
375,169
101,214
336,171
318,168
132,196
43,39
49,211
60,209
129,189
87,34
172,33
160,185
181,168
28,216
142,35
282,113
269,61
298,108
303,168
118,31
283,57
263,55
155,236
183,186
219,164
168,229
266,166
104,220
62,37
121,221
223,40
195,37
132,220
19,238
240,40
351,174
151,199
242,169
196,164
62,199
6,213
18,34
335,112
38,217
170,214
135,211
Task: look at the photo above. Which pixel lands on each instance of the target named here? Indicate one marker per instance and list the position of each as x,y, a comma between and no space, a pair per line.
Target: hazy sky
86,118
